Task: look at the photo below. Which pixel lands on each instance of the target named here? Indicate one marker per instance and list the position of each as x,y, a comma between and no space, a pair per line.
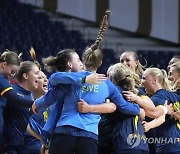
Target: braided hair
103,28
93,55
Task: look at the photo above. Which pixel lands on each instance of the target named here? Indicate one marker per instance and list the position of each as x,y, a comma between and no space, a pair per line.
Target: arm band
165,110
83,81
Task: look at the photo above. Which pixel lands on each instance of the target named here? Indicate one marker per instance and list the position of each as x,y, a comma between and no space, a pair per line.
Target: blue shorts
32,147
68,144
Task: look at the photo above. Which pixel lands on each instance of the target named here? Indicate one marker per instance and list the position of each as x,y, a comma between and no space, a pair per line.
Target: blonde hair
162,77
123,76
109,71
176,85
33,56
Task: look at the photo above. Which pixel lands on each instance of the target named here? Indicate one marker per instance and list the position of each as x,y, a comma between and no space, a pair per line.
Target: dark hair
93,55
10,57
177,56
59,62
25,67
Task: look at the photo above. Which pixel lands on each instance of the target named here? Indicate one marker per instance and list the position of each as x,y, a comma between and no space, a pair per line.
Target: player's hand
130,96
169,108
34,108
146,126
83,107
44,149
95,78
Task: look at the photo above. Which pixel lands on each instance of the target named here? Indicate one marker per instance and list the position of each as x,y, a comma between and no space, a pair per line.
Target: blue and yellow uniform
71,121
4,87
36,123
16,121
122,133
167,134
53,117
7,94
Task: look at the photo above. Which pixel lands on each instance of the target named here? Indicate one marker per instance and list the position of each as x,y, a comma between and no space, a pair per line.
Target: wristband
83,81
165,110
107,100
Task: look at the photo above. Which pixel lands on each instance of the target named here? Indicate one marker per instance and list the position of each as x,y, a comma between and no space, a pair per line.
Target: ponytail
33,56
93,56
58,63
49,63
103,28
165,82
162,77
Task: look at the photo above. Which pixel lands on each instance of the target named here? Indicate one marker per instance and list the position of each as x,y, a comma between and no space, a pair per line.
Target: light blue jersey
73,90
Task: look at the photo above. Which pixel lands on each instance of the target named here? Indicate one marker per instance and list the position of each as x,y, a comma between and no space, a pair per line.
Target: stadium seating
22,26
